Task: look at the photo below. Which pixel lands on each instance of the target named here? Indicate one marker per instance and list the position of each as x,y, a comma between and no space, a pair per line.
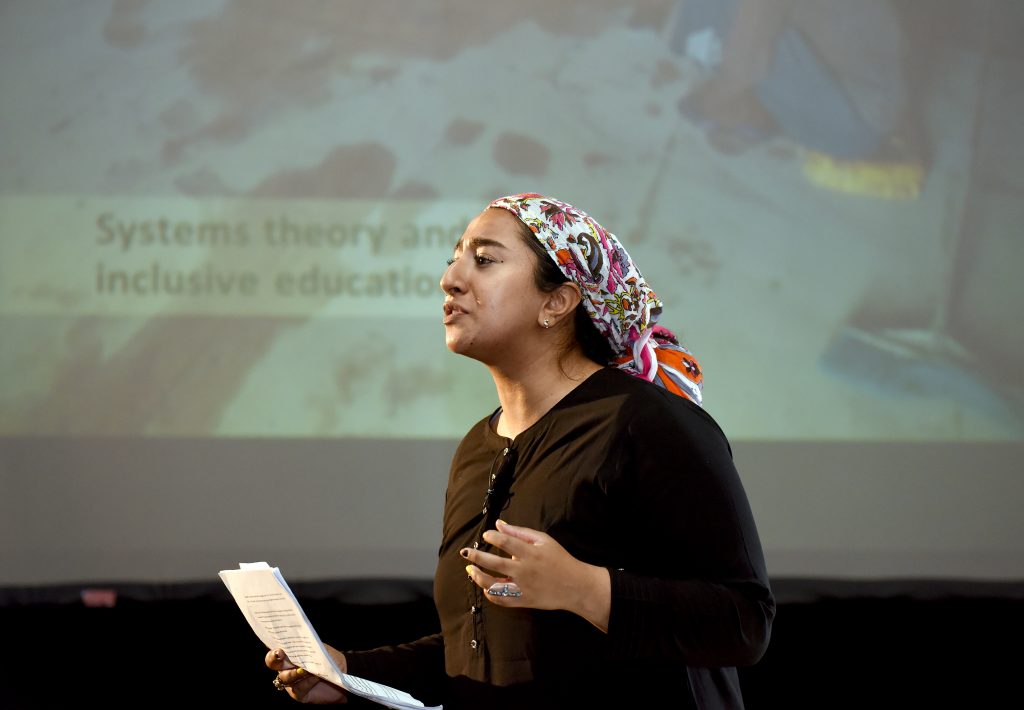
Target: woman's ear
560,303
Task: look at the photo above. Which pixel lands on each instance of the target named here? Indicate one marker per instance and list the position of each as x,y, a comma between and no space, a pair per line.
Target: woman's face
492,307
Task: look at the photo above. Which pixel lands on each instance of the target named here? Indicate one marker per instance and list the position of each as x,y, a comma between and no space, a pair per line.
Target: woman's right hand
303,686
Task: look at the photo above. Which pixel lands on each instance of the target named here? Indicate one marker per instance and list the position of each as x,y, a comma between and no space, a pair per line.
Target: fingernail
502,522
464,552
277,655
469,569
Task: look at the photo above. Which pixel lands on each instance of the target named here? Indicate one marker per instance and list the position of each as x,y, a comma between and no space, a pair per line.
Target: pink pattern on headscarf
621,304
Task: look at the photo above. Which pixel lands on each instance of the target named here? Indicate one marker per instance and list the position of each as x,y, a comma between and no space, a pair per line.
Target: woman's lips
451,312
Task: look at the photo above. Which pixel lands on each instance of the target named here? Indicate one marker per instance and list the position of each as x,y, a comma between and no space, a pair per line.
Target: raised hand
539,574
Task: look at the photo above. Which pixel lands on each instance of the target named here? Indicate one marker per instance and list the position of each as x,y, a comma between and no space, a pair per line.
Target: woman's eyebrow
479,242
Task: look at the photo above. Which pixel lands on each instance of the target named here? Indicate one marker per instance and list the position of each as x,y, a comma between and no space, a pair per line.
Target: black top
626,476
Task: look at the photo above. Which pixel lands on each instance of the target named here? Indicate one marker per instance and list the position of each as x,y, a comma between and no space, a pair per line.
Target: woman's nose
451,282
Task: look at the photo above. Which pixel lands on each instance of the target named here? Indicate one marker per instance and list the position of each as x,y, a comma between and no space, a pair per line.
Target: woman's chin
466,348
454,343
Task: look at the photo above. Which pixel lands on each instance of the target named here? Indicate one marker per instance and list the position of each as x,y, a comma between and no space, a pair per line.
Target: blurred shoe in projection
907,362
825,74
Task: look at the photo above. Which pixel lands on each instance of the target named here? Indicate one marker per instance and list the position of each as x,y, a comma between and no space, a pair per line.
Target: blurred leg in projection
827,74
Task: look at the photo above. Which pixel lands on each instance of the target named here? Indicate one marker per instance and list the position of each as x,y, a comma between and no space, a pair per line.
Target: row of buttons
490,484
476,545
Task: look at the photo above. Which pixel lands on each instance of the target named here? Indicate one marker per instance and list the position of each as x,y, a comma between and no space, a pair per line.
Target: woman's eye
450,261
481,260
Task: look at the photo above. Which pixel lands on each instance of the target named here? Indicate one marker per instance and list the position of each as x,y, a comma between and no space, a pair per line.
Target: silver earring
547,323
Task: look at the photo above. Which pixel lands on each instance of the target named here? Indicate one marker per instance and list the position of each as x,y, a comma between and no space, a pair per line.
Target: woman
633,572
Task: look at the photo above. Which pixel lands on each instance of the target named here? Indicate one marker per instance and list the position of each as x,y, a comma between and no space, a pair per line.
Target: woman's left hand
540,574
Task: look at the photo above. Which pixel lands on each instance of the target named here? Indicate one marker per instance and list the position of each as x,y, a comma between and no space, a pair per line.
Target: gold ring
279,685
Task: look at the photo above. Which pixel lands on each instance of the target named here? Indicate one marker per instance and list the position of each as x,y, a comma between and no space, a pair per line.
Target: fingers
529,577
276,660
297,682
489,561
302,685
512,545
513,539
481,578
488,582
526,534
500,590
292,678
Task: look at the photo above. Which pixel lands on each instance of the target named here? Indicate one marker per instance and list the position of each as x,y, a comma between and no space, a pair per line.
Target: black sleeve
416,667
695,586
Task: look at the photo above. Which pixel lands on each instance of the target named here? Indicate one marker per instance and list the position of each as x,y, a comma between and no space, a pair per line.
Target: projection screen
222,226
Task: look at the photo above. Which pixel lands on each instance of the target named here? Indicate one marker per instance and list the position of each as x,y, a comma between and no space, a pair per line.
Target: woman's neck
528,394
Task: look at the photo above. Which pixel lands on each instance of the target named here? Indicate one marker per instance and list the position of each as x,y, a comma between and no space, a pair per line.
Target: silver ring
279,685
504,591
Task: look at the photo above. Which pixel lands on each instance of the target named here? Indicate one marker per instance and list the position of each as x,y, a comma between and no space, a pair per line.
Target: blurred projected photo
229,219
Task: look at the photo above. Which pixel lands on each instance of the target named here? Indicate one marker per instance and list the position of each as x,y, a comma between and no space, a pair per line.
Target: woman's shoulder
638,392
481,436
645,405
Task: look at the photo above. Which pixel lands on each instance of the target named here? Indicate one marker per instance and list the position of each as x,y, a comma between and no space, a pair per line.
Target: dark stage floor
864,646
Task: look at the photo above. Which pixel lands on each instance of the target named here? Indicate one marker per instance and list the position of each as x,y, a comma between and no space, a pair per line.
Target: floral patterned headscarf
620,302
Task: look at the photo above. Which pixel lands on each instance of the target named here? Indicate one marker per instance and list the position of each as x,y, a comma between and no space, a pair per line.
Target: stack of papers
275,615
